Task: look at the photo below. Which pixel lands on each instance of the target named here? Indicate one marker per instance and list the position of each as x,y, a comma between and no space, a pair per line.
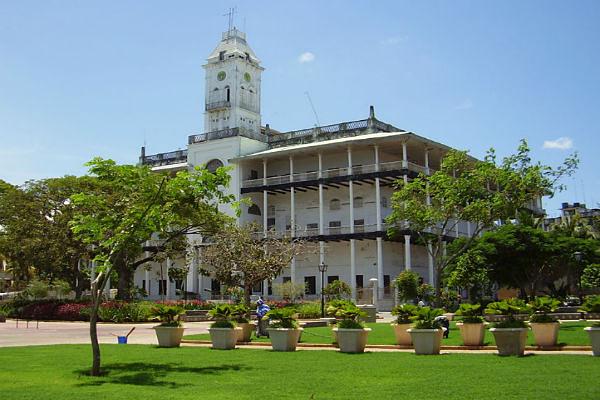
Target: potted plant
223,332
591,307
351,332
426,334
510,333
170,330
333,307
544,326
284,331
472,325
594,333
240,314
403,322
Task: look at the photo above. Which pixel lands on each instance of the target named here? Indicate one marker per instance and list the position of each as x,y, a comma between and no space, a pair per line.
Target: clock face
247,77
221,75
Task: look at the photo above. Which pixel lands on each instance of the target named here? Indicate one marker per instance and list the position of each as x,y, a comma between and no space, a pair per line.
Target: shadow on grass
150,374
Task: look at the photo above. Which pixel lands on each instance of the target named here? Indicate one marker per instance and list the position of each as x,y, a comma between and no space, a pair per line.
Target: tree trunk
247,293
125,276
96,298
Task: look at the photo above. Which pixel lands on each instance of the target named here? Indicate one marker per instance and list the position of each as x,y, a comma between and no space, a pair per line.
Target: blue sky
80,79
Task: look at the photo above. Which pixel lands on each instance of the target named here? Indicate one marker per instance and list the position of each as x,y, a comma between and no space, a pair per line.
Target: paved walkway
78,332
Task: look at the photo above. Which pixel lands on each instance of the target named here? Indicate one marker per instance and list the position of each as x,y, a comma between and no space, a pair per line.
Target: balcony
330,232
216,105
172,157
359,172
226,133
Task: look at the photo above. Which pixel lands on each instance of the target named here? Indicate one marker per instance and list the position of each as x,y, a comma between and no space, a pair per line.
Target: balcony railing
172,157
335,172
215,105
226,133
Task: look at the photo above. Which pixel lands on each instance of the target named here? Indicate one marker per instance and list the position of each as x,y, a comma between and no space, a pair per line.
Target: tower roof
233,43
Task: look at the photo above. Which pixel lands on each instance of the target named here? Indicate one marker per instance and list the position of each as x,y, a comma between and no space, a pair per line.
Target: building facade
329,184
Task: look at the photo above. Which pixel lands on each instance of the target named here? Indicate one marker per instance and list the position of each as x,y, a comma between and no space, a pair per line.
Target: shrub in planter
594,334
223,332
591,305
407,284
544,326
284,330
472,326
170,330
403,322
510,334
351,332
241,315
426,334
336,305
337,290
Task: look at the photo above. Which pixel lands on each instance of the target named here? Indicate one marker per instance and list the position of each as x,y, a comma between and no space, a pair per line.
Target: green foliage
283,318
591,276
426,292
448,300
224,312
241,313
508,308
541,306
289,291
222,323
350,324
308,310
404,313
350,317
468,270
407,284
424,318
337,290
335,305
169,315
591,304
470,313
119,312
37,289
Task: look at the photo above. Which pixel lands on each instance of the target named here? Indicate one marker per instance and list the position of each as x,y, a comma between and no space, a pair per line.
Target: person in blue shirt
261,310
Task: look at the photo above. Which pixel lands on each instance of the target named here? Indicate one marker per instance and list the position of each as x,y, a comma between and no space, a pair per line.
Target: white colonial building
329,184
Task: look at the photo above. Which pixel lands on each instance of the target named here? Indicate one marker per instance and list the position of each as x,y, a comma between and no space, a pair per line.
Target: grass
571,333
146,372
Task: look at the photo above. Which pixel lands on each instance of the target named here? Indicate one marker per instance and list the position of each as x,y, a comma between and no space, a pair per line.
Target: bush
309,310
591,276
404,313
407,284
283,318
71,312
508,308
289,291
591,304
337,290
448,300
470,313
119,311
425,318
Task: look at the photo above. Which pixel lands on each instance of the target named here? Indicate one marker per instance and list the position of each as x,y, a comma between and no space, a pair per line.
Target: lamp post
375,286
578,256
322,270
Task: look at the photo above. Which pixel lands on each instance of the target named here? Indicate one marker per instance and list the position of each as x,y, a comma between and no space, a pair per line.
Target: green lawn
147,372
570,333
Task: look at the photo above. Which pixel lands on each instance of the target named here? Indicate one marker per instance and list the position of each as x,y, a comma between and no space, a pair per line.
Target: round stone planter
352,340
594,334
169,336
401,334
284,339
224,338
510,341
545,334
472,334
245,333
426,341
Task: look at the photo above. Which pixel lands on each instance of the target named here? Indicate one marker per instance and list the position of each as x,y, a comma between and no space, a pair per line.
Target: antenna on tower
230,16
313,108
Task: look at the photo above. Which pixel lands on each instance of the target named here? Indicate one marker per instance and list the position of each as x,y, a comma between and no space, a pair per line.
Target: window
162,287
359,225
270,223
227,93
254,210
213,164
258,288
311,284
247,56
386,284
287,279
221,55
332,278
253,174
215,287
359,281
335,227
271,210
334,204
178,284
312,227
358,202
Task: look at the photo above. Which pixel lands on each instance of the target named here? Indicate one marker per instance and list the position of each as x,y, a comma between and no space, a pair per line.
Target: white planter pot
472,334
169,336
594,334
224,338
510,341
283,339
426,341
401,333
245,333
545,334
352,340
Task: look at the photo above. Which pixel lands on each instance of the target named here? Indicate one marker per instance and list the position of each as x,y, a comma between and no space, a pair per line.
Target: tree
407,284
337,290
130,205
238,256
591,276
464,189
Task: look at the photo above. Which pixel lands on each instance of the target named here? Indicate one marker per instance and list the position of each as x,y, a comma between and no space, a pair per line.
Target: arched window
358,202
334,204
213,164
253,210
227,93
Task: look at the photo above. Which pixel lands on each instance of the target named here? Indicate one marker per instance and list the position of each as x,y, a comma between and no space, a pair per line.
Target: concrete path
78,332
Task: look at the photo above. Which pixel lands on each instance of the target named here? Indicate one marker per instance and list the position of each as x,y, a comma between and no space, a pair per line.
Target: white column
468,228
427,161
407,259
92,271
350,190
456,228
293,270
265,200
292,218
200,277
380,265
265,291
377,192
404,156
353,268
430,264
168,285
147,279
191,277
321,198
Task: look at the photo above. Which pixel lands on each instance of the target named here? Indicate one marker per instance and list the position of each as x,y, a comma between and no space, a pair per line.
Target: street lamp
578,256
322,270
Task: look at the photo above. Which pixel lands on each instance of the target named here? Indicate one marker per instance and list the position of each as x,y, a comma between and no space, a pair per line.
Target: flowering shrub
70,312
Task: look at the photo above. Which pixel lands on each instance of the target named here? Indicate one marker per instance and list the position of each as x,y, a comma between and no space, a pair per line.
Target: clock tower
232,96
